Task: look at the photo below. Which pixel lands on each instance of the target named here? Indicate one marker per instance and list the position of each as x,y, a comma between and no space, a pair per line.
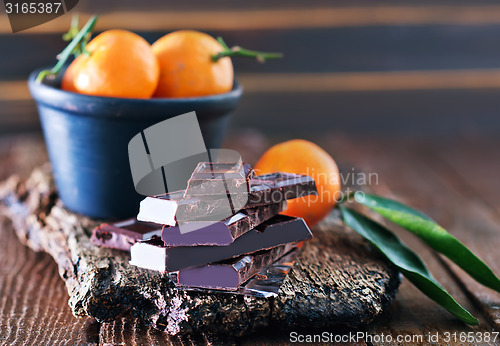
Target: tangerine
120,64
303,157
187,68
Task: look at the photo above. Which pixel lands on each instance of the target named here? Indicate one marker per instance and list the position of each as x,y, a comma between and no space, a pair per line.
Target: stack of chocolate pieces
219,232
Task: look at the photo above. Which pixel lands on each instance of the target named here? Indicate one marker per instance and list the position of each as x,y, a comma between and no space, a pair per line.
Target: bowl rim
49,91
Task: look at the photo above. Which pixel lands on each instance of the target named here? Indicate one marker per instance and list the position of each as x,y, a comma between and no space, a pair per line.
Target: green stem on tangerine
73,29
65,54
223,43
71,34
242,52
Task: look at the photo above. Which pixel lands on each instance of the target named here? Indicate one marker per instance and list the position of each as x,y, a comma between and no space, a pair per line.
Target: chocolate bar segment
279,230
162,209
212,170
275,187
193,233
230,275
169,208
122,235
264,284
267,282
212,178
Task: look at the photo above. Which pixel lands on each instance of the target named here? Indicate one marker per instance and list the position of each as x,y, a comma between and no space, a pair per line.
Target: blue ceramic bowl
87,141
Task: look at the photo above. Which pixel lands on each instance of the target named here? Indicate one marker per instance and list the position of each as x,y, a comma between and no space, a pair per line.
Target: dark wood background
409,90
384,67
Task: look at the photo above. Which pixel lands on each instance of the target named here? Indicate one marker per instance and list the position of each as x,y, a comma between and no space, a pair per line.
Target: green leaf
412,267
433,235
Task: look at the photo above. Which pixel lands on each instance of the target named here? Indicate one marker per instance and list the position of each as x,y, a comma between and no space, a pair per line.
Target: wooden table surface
455,181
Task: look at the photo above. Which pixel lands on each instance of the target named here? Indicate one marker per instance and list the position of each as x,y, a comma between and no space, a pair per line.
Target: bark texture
338,279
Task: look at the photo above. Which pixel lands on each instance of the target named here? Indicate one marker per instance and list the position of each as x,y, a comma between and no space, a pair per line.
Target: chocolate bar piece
275,187
279,230
122,235
162,209
193,233
264,284
267,282
169,208
230,275
212,178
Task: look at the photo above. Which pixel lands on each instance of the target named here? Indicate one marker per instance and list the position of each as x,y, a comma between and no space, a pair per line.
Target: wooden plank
477,227
479,174
19,154
332,82
432,190
35,311
400,177
18,116
430,112
130,331
371,81
283,17
356,49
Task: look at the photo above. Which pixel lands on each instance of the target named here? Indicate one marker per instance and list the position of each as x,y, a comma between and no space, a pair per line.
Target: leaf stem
242,52
66,53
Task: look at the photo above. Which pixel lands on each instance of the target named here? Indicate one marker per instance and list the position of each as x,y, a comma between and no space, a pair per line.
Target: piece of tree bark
337,280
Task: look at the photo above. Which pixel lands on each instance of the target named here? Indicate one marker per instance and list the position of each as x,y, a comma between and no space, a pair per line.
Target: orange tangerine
187,68
120,64
303,157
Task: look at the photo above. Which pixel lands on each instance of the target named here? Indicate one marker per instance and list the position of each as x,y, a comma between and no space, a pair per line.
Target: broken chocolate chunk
193,233
231,274
122,235
169,208
211,178
275,187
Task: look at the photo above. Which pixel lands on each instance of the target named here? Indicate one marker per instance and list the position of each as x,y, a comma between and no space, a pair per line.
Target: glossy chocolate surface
209,179
272,188
122,235
219,232
277,231
231,274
